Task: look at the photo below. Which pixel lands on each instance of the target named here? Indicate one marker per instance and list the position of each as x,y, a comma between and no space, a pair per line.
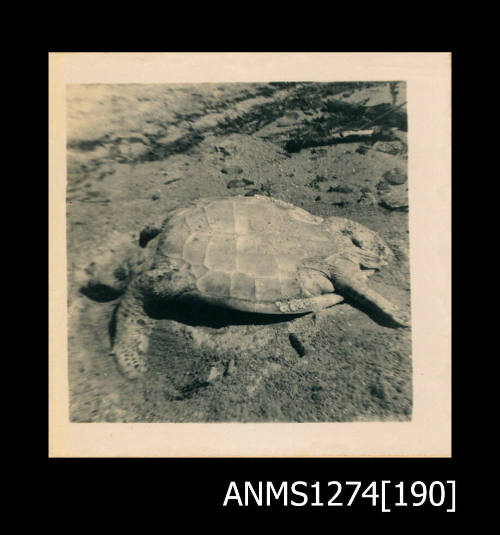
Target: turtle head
108,276
360,243
105,283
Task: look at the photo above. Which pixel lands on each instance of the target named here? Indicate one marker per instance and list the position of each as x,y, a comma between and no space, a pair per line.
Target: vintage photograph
238,252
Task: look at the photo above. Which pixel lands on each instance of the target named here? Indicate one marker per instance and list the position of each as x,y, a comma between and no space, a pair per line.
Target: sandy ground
136,151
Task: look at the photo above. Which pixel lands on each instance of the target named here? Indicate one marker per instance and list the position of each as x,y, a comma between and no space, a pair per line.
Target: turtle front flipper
350,282
132,331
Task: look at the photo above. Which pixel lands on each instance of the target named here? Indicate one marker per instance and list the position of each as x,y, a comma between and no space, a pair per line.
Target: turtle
256,254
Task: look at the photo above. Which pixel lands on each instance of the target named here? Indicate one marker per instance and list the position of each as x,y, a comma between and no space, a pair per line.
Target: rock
394,147
395,176
231,368
377,390
131,151
368,199
239,183
297,344
396,198
400,135
232,170
215,373
340,189
382,186
314,183
317,393
222,150
171,181
252,192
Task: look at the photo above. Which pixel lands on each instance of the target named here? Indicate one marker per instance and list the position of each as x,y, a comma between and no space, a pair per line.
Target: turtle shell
246,248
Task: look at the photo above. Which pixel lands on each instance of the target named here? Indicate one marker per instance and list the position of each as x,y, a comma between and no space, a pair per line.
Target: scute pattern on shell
245,247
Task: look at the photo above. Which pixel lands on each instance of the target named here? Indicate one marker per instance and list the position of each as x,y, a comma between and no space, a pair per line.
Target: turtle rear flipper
351,283
132,332
370,300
